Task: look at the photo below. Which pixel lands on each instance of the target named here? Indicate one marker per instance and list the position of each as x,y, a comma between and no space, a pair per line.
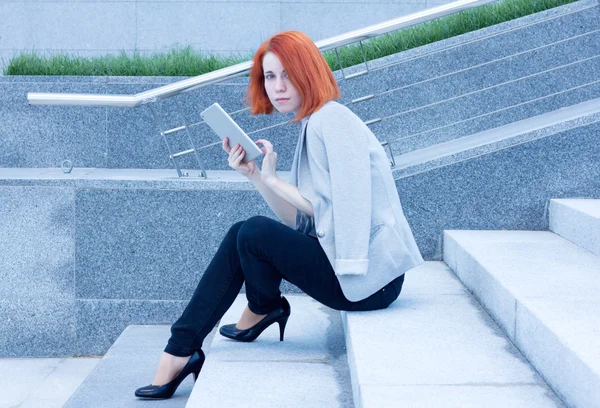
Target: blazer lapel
295,171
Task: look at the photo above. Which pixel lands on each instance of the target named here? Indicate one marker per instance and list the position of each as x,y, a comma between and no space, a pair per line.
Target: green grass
187,62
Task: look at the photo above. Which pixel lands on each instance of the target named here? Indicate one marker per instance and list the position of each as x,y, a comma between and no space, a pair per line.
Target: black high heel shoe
279,315
167,390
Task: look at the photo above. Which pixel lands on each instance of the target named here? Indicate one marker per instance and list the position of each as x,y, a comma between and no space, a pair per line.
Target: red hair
307,69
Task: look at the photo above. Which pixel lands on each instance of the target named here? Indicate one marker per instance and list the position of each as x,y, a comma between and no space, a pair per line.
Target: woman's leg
270,251
214,295
260,251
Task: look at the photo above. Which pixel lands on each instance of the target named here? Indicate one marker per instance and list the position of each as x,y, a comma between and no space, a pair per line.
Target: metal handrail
356,36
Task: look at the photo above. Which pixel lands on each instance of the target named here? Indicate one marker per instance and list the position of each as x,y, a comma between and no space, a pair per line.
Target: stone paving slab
41,382
129,364
454,396
307,369
434,341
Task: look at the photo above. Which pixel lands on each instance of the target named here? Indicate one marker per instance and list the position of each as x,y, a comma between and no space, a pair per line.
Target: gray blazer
342,169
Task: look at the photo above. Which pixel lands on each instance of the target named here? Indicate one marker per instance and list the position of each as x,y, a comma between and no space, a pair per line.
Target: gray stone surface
436,343
503,189
515,41
44,136
81,264
120,258
424,116
503,137
543,288
37,327
307,369
37,243
152,244
42,382
457,396
129,364
166,179
101,322
564,346
494,119
578,221
37,259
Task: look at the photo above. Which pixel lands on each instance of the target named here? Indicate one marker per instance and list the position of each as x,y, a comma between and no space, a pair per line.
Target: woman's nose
279,85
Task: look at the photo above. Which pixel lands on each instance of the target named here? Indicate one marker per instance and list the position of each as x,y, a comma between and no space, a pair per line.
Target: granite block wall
37,265
509,188
78,265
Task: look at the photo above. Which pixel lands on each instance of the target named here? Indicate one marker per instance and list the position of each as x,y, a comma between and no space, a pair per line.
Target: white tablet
222,124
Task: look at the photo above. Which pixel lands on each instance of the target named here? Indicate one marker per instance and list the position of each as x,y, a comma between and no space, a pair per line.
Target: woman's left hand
269,164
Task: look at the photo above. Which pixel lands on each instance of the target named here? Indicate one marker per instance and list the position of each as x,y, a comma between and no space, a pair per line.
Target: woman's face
282,94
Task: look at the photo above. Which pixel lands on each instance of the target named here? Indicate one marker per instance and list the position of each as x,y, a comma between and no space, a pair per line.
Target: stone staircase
510,318
542,288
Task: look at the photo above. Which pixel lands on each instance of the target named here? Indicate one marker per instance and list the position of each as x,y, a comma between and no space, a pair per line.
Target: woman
343,238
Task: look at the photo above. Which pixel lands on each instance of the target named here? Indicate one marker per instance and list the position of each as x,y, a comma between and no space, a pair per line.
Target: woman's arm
282,209
281,189
291,195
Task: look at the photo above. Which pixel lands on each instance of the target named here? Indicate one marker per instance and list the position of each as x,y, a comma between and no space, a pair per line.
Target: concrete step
308,369
577,220
436,343
543,291
129,364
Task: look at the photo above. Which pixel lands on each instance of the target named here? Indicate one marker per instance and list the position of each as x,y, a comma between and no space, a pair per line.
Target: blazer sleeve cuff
351,266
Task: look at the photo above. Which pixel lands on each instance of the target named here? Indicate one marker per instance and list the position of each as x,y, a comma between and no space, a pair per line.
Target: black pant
262,251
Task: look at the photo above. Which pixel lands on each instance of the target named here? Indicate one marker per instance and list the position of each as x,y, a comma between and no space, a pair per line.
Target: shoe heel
282,324
196,374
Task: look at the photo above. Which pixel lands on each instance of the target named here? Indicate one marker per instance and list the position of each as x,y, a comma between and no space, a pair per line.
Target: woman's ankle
248,319
168,367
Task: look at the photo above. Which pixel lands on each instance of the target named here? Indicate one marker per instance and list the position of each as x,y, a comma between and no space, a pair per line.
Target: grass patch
187,62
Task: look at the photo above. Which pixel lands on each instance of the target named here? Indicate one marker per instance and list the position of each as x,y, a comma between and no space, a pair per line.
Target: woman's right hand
236,154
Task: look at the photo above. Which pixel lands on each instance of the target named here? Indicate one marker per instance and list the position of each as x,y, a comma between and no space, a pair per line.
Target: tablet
222,124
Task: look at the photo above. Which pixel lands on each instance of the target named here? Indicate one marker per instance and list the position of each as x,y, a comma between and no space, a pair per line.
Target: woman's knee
235,228
231,236
254,227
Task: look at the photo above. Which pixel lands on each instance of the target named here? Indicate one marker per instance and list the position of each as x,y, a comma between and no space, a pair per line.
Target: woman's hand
235,159
268,172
